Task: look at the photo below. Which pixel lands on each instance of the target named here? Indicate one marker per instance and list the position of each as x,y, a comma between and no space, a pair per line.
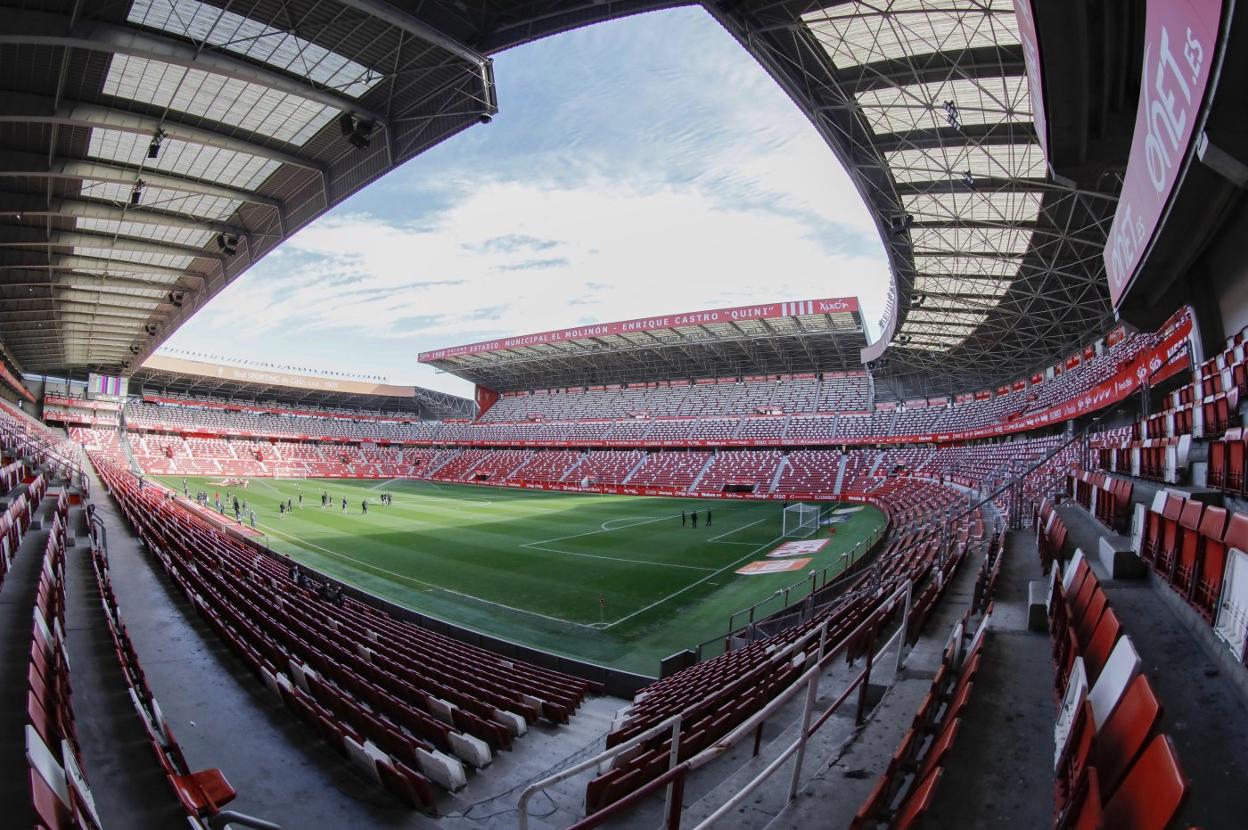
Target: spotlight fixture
175,298
153,149
968,179
228,244
151,329
136,195
355,130
952,115
899,223
918,301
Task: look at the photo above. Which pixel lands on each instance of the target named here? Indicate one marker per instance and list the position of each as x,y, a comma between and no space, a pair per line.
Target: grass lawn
530,566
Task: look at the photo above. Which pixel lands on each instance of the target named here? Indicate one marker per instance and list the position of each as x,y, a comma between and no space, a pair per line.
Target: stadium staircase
568,474
693,486
123,438
840,474
641,462
775,477
450,456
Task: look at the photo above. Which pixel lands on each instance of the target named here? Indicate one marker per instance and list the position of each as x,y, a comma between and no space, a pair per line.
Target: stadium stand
1048,419
412,708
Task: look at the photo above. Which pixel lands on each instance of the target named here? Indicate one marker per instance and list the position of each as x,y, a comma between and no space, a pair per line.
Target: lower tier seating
409,707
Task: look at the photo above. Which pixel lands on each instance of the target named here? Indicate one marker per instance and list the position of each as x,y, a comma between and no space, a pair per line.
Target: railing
673,779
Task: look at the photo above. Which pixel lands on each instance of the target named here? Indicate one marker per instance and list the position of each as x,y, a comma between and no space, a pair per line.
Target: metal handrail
673,722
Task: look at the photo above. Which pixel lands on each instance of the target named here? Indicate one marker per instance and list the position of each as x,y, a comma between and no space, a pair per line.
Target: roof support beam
57,337
26,28
25,165
12,261
16,108
86,314
71,239
983,135
107,211
979,62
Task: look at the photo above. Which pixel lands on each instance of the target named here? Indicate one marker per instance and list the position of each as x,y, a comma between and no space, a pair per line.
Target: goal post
801,520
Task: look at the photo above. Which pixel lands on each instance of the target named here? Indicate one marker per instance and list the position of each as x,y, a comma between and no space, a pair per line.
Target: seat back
916,804
1237,532
1125,733
1152,791
1213,523
1102,643
1120,669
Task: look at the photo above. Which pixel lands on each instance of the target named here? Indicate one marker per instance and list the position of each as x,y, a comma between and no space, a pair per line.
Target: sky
639,167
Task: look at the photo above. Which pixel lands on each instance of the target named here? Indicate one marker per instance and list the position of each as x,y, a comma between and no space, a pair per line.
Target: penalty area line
753,552
735,530
405,578
616,558
595,532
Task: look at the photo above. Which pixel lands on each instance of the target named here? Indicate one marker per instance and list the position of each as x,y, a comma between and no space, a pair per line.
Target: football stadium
964,549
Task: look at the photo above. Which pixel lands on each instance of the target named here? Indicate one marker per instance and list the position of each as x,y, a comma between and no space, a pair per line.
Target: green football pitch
615,580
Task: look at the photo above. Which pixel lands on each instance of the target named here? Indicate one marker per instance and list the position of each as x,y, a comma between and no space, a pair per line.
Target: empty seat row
1114,768
1188,544
60,791
408,707
905,790
202,793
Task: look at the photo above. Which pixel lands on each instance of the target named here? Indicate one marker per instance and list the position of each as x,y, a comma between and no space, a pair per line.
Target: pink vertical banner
1180,37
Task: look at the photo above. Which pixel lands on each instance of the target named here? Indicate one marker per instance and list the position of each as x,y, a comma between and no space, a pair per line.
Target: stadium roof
767,338
153,150
178,376
928,103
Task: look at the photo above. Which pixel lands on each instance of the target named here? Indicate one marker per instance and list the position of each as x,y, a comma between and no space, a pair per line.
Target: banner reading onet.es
1179,41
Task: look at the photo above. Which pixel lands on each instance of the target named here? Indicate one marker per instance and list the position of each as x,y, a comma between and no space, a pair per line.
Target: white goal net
801,520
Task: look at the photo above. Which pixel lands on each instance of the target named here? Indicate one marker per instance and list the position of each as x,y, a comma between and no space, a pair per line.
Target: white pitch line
645,519
734,530
614,623
533,546
593,532
405,578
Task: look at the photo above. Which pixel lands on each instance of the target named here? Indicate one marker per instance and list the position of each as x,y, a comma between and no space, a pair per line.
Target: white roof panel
144,230
251,107
233,32
226,167
945,163
175,201
119,253
896,109
1003,206
874,30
